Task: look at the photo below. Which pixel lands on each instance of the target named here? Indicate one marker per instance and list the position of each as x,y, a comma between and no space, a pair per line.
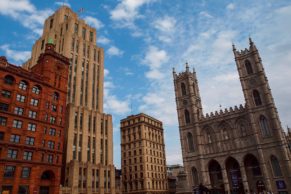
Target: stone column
225,180
244,178
265,171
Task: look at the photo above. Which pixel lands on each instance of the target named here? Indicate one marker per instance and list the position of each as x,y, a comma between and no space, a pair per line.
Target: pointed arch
215,174
9,79
265,129
248,67
187,116
195,178
275,166
183,89
257,98
190,142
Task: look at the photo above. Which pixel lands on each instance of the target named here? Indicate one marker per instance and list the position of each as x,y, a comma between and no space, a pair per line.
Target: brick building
32,121
143,159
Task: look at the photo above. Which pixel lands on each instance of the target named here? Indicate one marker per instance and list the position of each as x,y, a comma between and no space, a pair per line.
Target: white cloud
114,51
94,22
103,40
166,24
106,72
205,14
60,3
25,13
154,59
17,56
230,6
127,11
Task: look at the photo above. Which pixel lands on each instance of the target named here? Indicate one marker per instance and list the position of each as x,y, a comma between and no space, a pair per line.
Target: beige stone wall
89,144
143,158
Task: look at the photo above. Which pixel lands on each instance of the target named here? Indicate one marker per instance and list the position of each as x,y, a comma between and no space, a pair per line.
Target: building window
51,144
52,131
190,142
52,120
257,98
15,138
34,102
76,28
9,171
54,108
3,121
6,94
276,166
35,90
265,129
32,114
84,33
9,80
183,89
248,66
4,107
31,127
91,36
25,173
23,189
51,23
20,98
187,116
12,153
50,158
27,155
22,85
1,136
17,124
29,141
56,96
18,111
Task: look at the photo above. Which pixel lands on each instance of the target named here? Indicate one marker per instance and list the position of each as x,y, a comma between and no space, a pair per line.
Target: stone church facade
241,149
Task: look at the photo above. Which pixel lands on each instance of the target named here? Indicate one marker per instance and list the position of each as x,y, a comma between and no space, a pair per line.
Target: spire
174,71
233,47
251,41
187,67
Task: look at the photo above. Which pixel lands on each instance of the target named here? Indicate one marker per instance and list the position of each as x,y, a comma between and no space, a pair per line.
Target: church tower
189,110
263,114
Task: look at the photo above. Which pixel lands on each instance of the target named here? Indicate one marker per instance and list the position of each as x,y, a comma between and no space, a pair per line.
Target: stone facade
89,164
143,159
32,124
240,149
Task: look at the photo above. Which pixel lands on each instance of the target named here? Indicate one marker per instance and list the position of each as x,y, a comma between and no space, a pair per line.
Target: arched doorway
46,182
253,172
234,176
215,175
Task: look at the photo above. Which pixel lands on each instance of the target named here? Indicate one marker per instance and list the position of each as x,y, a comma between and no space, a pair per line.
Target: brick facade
32,113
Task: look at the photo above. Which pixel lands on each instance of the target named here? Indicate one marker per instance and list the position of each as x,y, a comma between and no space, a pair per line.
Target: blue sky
145,39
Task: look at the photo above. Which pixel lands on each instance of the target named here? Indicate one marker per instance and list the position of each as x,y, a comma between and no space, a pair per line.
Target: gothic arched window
276,166
257,98
190,142
187,116
265,129
248,66
183,89
194,176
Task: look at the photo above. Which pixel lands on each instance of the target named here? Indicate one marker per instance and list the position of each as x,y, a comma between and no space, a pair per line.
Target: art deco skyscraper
143,158
89,160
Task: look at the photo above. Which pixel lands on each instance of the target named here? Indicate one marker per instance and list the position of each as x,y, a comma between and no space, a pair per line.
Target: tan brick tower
143,158
89,159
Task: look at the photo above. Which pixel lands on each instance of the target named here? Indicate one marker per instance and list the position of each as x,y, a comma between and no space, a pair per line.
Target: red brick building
32,123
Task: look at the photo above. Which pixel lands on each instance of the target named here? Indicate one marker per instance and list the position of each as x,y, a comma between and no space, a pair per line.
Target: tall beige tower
89,159
143,158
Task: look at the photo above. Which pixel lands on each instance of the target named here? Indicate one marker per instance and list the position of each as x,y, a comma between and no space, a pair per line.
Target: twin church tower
240,149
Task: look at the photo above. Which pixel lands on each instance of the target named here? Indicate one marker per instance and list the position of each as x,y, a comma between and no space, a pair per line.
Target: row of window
9,172
27,155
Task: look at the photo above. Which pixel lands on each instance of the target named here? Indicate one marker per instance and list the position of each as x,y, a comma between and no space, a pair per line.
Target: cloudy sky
145,39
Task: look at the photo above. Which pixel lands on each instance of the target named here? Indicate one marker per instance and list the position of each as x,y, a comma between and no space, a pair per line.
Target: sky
144,39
